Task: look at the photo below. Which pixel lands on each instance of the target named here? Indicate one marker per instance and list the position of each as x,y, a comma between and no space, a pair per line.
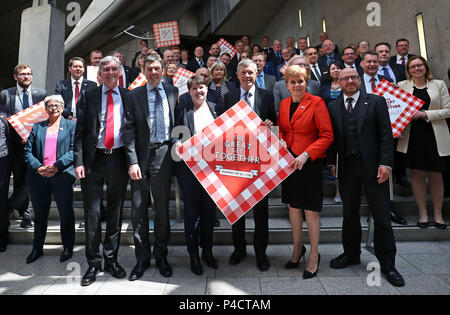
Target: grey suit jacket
8,98
269,82
280,91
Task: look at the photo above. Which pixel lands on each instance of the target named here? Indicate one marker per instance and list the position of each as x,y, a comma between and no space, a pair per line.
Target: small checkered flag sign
141,80
181,78
23,121
227,47
401,105
238,160
166,34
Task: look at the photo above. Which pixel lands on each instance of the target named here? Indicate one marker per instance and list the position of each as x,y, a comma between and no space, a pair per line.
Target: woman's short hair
296,71
428,74
218,64
167,66
55,98
196,80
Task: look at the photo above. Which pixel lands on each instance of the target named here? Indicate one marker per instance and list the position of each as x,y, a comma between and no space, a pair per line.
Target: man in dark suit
100,157
265,45
125,72
302,45
389,70
330,55
198,60
149,141
262,103
16,99
263,80
403,55
232,67
72,88
275,56
349,57
363,142
313,57
362,48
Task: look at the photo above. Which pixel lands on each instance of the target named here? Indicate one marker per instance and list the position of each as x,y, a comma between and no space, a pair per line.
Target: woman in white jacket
426,140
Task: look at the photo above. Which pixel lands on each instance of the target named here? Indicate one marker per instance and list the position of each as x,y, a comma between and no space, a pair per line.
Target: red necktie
109,133
77,93
121,81
373,84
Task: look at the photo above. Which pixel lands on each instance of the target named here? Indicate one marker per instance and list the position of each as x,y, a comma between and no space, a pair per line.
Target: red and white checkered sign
181,78
226,47
401,104
237,160
141,80
23,121
166,34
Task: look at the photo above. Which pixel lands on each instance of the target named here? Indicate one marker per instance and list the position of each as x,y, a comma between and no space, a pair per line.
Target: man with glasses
402,48
330,55
349,58
16,99
363,143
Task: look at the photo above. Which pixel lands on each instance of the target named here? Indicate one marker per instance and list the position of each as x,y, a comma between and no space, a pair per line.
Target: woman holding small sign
199,209
306,130
426,140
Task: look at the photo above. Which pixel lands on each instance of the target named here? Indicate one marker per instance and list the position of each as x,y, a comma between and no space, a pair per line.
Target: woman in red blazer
306,129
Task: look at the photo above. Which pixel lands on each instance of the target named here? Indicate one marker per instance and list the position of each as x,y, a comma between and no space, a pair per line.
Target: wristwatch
306,154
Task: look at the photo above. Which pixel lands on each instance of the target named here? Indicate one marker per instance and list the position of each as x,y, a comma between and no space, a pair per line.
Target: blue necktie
330,59
386,73
260,82
26,102
159,117
278,55
247,96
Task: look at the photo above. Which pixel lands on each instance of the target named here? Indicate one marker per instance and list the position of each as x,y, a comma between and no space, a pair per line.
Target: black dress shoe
237,256
440,226
345,260
164,267
138,271
66,255
196,265
115,269
90,276
262,262
3,247
309,275
398,219
393,276
26,222
294,265
35,254
423,225
208,258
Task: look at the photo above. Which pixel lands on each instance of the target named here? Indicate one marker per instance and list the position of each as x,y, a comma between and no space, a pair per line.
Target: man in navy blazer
388,69
72,88
198,60
16,99
330,55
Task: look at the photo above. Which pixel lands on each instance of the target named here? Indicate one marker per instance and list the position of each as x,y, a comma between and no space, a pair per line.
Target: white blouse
202,118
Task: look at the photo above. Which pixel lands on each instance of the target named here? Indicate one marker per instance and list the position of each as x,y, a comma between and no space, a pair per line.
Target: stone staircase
280,233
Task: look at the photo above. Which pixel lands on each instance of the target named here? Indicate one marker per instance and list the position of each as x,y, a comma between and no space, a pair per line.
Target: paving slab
233,286
13,284
430,264
113,286
355,286
425,285
291,286
186,286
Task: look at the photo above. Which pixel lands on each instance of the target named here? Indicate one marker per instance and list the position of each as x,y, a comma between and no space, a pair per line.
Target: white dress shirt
399,59
19,98
355,98
368,83
118,118
251,97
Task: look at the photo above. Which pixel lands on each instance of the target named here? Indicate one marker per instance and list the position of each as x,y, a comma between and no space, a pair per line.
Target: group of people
323,104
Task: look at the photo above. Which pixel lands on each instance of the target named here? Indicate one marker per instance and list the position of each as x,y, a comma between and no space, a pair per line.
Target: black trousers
112,170
19,199
199,211
261,233
41,190
157,178
377,195
4,187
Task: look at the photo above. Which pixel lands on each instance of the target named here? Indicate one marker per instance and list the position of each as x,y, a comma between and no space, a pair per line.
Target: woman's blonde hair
428,74
220,65
296,71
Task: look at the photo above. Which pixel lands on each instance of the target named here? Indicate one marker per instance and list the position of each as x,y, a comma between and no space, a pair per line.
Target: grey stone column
42,43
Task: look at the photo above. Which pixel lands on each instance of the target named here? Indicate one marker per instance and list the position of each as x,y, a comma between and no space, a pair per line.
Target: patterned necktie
260,81
159,117
247,96
373,84
330,60
109,133
403,61
26,102
386,73
316,72
349,105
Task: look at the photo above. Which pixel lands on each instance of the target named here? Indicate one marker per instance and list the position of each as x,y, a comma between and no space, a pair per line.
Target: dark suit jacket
363,84
264,105
323,65
193,65
137,125
374,133
269,82
88,125
399,71
35,147
128,76
325,91
394,58
4,114
64,88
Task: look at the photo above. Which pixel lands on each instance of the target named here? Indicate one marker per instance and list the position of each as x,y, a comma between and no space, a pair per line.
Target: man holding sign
17,99
261,102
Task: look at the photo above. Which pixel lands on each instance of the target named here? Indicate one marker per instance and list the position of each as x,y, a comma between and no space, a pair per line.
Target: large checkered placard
141,80
181,78
401,104
23,121
226,47
166,34
237,160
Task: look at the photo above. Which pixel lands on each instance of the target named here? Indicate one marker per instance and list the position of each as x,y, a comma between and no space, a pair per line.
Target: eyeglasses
353,78
416,66
53,106
25,74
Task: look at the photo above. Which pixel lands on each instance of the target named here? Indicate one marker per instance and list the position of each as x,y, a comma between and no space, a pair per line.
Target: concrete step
280,232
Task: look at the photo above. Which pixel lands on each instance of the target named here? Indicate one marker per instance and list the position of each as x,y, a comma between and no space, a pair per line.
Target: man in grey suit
280,91
264,81
148,138
17,99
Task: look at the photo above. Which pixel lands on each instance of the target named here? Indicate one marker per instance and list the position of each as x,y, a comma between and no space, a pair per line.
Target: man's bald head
350,81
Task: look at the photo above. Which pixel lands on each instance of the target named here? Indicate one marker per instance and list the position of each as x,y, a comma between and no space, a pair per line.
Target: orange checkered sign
238,160
166,34
23,121
141,80
401,105
181,78
227,47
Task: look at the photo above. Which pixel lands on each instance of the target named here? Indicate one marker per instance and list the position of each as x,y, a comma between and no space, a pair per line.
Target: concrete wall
347,23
